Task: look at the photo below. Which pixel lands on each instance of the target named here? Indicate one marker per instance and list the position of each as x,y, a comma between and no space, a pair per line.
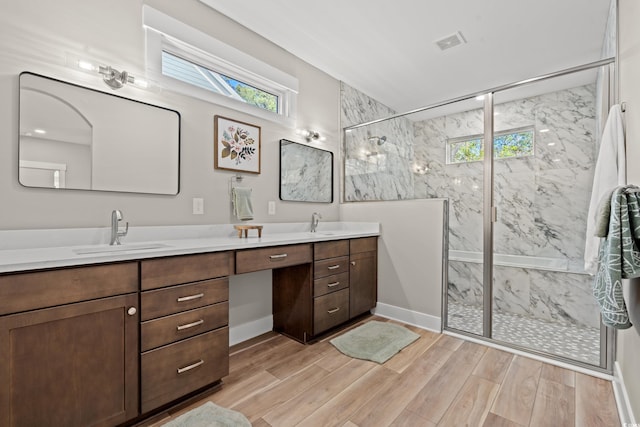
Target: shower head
378,139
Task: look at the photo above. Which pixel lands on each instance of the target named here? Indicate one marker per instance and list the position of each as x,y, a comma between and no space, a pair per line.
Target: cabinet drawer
365,244
29,291
160,272
170,372
330,310
168,329
163,302
269,258
331,266
330,284
336,248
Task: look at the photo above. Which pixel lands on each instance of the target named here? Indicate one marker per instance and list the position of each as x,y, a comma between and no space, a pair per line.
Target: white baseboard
246,331
421,320
625,412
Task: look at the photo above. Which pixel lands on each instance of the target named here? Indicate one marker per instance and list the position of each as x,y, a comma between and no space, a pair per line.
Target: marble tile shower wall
542,203
375,171
542,199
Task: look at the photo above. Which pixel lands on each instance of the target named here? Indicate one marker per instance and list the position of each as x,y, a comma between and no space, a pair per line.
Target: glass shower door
460,133
545,150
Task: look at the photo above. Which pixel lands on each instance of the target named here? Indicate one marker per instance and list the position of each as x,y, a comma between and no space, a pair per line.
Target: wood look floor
438,380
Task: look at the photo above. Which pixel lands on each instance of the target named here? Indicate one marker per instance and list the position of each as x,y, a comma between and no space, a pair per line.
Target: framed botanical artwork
236,145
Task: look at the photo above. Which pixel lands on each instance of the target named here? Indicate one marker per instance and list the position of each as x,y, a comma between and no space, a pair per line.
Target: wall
628,345
39,36
409,257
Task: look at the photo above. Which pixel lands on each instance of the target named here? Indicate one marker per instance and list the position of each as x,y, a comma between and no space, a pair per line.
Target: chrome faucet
116,234
315,219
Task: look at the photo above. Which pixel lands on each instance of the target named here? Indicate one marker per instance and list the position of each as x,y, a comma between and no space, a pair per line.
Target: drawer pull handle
190,367
335,310
353,263
331,285
278,256
333,267
190,325
190,297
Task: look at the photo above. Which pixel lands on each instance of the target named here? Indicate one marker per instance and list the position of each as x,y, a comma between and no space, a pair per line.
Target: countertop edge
59,257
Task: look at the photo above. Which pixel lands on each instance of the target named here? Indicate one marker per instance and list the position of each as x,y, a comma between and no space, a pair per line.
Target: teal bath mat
210,415
376,341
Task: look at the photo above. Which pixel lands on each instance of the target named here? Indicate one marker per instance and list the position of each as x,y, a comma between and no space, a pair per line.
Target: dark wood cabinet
107,344
70,365
185,334
340,283
363,279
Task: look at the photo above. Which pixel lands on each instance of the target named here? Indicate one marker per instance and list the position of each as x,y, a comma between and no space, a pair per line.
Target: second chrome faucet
116,234
315,219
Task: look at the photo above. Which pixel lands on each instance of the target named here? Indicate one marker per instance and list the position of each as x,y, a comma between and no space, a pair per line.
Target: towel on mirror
610,172
241,201
619,256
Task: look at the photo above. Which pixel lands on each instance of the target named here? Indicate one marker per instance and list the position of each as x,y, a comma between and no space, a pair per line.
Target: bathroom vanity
105,343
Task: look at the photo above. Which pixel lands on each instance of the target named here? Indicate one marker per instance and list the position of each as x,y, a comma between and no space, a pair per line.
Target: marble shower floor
572,341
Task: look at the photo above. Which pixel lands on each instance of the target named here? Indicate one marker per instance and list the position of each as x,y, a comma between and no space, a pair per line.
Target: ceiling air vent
451,41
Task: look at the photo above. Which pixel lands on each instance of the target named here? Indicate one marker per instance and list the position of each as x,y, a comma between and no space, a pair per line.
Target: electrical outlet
198,206
272,208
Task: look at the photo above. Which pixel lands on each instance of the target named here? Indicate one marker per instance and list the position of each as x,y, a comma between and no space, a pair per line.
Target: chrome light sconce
310,135
113,78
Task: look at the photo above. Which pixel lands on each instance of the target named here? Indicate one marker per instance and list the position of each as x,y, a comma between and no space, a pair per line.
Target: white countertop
22,250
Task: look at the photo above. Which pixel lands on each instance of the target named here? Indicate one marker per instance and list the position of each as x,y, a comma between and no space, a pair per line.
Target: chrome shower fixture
378,139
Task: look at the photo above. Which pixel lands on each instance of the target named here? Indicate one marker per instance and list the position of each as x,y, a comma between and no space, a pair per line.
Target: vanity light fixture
113,78
310,135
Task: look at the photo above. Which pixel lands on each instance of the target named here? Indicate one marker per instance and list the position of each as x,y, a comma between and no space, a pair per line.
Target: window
197,75
506,144
185,60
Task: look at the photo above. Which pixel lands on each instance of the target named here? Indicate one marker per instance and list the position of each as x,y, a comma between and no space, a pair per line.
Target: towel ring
237,178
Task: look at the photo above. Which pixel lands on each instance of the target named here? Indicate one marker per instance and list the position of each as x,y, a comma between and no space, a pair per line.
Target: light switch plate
272,208
198,206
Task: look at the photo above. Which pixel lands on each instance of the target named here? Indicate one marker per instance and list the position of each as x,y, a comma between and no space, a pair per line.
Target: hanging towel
610,172
241,201
619,256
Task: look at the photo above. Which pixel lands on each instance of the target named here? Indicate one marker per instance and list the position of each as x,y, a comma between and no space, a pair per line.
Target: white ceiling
386,48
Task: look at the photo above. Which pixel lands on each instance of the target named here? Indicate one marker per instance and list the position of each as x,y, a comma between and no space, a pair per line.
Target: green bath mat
210,415
376,341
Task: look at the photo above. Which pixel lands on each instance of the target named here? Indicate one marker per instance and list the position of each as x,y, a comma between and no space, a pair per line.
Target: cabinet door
363,283
72,365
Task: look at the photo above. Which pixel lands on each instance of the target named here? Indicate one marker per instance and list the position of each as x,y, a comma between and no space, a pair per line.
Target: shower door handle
494,214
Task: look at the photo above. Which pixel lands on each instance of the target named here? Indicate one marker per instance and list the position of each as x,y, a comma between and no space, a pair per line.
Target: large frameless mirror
72,137
306,173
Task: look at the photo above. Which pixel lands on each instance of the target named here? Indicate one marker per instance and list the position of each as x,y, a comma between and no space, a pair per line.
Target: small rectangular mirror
306,173
72,137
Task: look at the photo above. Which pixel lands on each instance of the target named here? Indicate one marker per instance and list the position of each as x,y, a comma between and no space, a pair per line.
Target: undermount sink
120,248
321,233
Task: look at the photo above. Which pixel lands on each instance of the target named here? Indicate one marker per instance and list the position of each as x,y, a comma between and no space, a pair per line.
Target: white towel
610,172
241,200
